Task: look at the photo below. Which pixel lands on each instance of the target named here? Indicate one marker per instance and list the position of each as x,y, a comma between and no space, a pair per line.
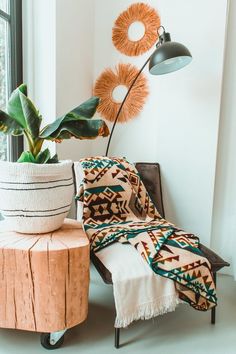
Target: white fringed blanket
138,293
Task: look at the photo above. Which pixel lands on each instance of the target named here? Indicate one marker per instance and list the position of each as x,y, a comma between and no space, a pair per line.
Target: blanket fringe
149,310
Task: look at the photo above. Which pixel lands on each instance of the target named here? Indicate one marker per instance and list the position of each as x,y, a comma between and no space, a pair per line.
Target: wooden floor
184,331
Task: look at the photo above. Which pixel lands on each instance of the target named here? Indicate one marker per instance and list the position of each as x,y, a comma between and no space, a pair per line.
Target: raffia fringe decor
138,12
35,198
124,74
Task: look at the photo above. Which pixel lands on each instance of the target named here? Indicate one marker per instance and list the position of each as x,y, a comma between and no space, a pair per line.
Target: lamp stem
123,102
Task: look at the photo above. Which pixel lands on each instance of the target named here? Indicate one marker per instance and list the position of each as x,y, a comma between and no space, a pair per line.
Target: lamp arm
123,102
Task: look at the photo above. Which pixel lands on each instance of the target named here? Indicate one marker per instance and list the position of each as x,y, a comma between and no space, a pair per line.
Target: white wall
224,216
39,52
179,124
74,64
58,60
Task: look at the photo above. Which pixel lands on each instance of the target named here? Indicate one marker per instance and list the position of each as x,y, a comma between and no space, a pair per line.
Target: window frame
14,19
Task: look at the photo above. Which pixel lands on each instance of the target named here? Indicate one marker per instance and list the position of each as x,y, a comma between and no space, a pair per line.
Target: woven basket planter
35,198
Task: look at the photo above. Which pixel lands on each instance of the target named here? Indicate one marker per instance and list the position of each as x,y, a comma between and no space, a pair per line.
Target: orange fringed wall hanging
109,80
138,12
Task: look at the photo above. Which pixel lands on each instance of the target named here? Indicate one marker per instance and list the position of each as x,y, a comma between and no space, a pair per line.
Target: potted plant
36,191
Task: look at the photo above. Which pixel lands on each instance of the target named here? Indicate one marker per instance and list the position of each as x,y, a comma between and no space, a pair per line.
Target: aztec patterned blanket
118,208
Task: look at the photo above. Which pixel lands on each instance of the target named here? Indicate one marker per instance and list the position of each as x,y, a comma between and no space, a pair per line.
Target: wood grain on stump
44,279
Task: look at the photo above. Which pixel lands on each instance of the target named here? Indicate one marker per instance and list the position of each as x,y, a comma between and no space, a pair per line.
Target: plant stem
34,145
29,141
37,146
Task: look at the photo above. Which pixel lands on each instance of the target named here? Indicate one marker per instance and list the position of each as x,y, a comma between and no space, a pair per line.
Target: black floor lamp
168,57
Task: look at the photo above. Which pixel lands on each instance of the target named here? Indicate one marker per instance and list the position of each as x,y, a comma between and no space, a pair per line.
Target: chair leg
213,316
117,338
213,311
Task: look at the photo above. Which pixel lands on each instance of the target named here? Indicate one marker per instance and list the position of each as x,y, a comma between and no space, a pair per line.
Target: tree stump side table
44,279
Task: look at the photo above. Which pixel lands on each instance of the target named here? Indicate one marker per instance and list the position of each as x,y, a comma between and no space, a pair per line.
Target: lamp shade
169,57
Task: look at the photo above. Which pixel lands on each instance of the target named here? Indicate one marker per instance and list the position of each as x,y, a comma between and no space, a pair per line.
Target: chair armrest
216,261
102,270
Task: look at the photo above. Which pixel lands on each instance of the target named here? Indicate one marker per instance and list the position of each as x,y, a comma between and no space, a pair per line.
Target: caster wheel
45,341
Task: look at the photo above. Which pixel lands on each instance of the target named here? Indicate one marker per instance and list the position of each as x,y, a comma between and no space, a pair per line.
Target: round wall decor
136,15
112,86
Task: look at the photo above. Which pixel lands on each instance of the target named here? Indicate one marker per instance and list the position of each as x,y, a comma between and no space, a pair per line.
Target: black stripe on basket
34,216
35,211
58,180
36,189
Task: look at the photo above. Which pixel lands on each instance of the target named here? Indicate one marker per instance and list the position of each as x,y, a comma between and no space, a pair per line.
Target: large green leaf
31,114
14,107
88,108
85,110
9,125
51,128
80,129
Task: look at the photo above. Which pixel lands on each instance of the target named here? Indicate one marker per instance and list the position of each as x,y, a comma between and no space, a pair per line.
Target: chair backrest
151,177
